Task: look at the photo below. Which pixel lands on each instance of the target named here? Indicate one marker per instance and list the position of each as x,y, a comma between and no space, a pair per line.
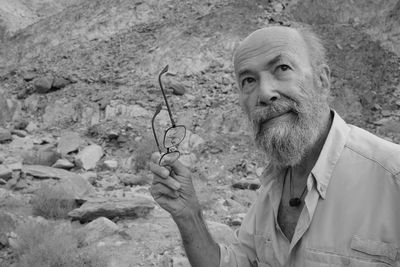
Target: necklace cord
290,186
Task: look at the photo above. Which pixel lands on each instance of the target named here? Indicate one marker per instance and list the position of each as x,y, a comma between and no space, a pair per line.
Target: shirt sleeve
238,253
242,251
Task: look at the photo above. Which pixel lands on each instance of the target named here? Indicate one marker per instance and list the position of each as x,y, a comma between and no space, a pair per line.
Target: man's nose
268,92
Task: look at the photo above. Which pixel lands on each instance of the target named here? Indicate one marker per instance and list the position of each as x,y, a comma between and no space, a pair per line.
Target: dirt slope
18,14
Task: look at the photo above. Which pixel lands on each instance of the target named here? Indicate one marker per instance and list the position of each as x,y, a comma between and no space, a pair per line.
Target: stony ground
78,90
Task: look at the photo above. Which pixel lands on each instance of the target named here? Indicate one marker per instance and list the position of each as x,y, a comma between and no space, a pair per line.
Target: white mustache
263,114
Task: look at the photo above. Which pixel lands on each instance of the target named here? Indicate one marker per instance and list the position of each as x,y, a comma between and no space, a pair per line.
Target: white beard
287,139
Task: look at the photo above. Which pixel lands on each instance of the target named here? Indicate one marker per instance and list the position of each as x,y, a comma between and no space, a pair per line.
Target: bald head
300,40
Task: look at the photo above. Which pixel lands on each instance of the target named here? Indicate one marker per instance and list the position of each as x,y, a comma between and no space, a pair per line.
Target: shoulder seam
377,162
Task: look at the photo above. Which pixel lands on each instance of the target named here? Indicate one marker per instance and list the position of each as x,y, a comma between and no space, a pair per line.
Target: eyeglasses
173,136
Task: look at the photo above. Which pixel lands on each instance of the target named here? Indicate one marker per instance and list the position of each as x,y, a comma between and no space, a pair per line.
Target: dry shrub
143,153
50,245
52,202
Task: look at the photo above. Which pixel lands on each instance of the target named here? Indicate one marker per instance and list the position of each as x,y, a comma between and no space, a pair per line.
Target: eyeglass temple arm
158,109
165,98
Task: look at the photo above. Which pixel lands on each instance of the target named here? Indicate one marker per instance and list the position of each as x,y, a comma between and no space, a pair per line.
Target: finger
155,157
159,190
179,169
159,170
182,180
170,182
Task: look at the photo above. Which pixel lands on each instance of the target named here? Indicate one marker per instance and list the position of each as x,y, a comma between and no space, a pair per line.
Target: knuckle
156,187
152,167
155,157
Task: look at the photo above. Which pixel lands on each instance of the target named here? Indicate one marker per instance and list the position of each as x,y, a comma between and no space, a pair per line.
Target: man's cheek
245,103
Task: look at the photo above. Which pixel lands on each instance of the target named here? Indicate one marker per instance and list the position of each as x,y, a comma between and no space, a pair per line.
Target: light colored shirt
351,215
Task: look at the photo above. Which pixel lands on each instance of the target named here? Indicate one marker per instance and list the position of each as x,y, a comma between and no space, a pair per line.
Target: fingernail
166,172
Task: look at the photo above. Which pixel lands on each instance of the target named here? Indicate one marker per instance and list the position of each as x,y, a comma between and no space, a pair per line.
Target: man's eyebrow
274,60
269,64
243,72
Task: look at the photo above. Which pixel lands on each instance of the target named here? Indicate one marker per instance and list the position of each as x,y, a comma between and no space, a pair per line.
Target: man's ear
325,77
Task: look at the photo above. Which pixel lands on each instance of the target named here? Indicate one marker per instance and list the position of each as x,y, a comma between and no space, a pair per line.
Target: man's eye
247,80
283,67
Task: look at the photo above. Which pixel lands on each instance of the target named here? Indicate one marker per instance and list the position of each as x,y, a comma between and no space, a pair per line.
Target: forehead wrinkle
247,63
247,67
270,40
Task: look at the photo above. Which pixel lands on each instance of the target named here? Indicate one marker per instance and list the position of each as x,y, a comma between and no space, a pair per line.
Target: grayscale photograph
199,133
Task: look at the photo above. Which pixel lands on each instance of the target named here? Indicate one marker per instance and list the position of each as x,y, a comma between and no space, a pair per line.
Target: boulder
33,103
72,183
9,109
28,76
20,124
63,164
88,157
5,172
14,165
25,143
116,109
111,164
99,229
5,135
111,208
46,157
31,127
62,112
177,88
19,133
69,142
60,82
43,85
44,172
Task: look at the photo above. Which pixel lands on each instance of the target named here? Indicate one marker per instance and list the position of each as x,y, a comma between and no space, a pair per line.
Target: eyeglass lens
169,158
174,136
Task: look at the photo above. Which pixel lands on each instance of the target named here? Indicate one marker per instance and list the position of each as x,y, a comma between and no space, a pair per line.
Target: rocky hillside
79,87
18,14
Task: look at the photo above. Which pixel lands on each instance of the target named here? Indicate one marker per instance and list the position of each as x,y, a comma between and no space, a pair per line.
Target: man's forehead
278,39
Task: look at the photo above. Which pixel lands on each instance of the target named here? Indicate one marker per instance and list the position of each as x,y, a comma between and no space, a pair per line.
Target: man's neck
303,169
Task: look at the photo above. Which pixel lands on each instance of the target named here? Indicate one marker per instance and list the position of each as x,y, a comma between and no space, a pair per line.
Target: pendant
295,202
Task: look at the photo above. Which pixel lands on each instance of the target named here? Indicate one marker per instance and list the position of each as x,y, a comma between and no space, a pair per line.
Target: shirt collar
330,153
327,159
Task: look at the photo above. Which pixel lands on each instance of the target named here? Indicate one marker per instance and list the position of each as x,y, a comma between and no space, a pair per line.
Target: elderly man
331,191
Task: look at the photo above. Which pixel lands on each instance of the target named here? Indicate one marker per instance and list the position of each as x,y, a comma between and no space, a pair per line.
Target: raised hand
173,189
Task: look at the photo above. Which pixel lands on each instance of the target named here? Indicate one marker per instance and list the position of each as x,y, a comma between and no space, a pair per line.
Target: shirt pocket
363,252
264,250
375,250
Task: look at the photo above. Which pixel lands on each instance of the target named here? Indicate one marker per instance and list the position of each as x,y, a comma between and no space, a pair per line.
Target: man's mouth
275,116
